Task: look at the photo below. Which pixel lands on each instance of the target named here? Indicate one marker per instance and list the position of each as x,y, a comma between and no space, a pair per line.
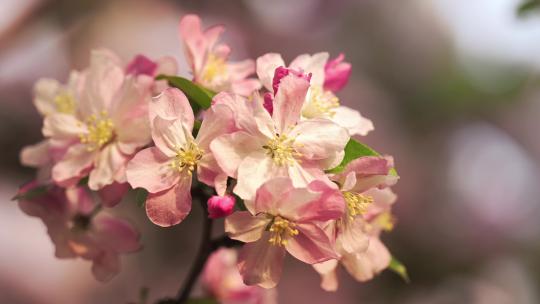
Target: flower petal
352,120
266,65
327,270
73,165
169,135
245,227
111,195
150,169
253,171
170,207
311,245
108,163
364,266
106,266
62,126
115,234
288,102
313,64
231,149
319,138
172,104
261,263
36,155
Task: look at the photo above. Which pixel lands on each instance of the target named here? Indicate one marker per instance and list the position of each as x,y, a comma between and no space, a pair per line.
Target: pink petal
253,171
245,227
327,204
77,161
313,64
151,169
106,266
172,104
169,135
353,121
364,266
209,172
288,102
261,263
241,69
245,87
45,91
327,270
108,162
115,234
63,126
170,207
352,236
337,73
111,195
36,155
102,82
218,120
319,138
231,149
311,245
167,65
266,65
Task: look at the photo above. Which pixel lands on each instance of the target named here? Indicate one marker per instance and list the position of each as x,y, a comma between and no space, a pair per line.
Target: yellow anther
100,131
281,149
187,157
321,103
281,230
65,103
386,221
357,204
215,67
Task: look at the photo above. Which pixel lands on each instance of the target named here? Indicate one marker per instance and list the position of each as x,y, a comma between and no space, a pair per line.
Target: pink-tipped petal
313,64
266,66
170,207
288,102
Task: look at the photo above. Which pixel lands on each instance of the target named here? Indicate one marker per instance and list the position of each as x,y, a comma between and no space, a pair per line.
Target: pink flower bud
220,206
141,65
337,73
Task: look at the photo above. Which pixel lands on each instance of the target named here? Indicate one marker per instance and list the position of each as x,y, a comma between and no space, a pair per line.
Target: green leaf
202,301
527,7
199,97
32,193
397,267
83,181
140,196
354,150
196,127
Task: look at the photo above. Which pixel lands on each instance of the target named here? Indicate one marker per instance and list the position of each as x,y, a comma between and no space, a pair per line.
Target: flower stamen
215,67
357,204
321,103
64,103
187,157
281,229
281,149
100,131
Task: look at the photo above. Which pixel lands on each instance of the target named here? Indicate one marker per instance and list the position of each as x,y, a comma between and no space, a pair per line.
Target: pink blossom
284,218
336,73
279,145
209,61
321,102
166,169
220,206
107,126
367,214
76,231
221,279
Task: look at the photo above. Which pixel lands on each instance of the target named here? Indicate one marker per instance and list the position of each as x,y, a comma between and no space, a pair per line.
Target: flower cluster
270,142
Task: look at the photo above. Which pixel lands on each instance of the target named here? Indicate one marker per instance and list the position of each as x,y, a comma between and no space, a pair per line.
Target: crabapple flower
209,61
50,97
108,126
220,279
220,206
321,102
284,218
166,170
359,177
364,265
279,145
77,231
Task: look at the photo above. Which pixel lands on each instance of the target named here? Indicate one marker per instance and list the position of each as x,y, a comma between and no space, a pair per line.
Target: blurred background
451,85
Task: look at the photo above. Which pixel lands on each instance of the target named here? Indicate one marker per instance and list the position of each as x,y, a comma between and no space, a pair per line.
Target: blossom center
215,67
357,204
64,103
281,149
187,157
100,131
321,103
281,229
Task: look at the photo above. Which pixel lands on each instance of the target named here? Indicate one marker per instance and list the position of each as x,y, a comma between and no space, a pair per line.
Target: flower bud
220,206
336,73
